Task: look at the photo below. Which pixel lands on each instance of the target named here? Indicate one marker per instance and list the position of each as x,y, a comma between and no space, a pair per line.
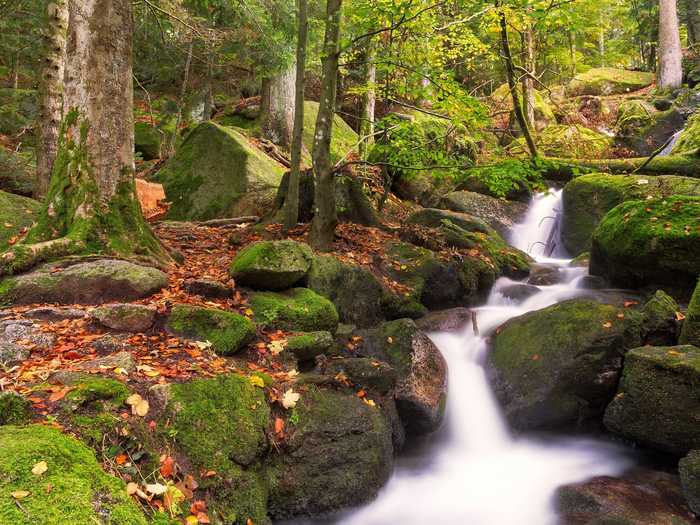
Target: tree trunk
291,203
601,47
277,107
170,145
573,53
670,71
368,100
510,74
325,216
91,206
51,94
692,20
528,88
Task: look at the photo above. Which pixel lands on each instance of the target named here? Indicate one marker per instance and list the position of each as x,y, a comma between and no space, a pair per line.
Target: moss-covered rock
17,171
80,491
298,309
355,292
16,213
688,141
588,198
18,110
421,388
690,334
228,332
271,265
661,325
557,366
502,99
344,139
87,282
364,372
219,425
307,346
126,317
657,402
147,140
609,81
570,141
423,188
14,409
641,243
217,173
500,214
338,454
643,129
689,468
434,218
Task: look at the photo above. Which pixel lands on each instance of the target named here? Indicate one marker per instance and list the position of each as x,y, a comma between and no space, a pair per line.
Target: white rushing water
476,472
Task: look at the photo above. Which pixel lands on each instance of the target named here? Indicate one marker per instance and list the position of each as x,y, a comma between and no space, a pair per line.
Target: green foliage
509,176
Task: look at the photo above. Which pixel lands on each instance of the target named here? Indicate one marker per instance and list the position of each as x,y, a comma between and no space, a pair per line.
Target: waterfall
668,148
475,472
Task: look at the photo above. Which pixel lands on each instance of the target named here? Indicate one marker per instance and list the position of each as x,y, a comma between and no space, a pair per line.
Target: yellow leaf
257,381
20,494
290,399
191,520
40,468
607,325
156,489
139,406
120,371
131,488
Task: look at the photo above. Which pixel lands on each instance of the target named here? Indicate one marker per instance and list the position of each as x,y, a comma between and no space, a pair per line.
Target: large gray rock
689,468
557,366
126,317
500,214
88,282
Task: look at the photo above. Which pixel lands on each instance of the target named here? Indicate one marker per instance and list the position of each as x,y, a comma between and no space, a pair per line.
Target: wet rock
545,275
651,242
271,265
87,282
53,314
592,282
125,317
122,360
338,455
421,389
364,371
657,404
434,218
661,325
500,214
560,365
519,292
450,320
641,497
207,288
689,469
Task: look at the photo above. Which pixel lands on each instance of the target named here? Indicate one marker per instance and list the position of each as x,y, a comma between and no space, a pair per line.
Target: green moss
689,140
310,344
501,97
227,332
588,198
80,491
217,173
657,399
147,140
299,309
271,265
89,390
690,335
17,170
689,469
343,140
609,81
650,242
18,110
219,424
14,409
16,213
570,141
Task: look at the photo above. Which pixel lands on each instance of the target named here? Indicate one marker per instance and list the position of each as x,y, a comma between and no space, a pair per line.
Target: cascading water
476,472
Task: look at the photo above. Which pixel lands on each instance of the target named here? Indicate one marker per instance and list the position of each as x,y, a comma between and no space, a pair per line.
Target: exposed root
25,256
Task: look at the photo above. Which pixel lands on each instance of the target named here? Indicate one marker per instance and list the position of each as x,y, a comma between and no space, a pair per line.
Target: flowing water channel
474,471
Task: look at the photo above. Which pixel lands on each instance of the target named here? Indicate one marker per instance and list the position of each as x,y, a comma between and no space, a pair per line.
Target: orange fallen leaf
167,466
279,425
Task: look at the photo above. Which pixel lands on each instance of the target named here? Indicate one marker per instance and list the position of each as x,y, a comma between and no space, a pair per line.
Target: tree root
25,256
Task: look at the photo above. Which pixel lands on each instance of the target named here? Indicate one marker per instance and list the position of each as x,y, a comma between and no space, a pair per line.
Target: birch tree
670,70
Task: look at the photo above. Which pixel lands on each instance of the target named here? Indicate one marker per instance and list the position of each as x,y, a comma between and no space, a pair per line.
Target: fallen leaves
290,399
20,494
139,406
40,468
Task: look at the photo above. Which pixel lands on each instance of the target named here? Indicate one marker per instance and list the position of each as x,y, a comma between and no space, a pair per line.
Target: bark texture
368,100
670,71
277,107
528,87
51,93
291,203
325,215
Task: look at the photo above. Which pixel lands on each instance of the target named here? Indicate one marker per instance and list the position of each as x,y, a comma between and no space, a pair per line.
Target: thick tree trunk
291,203
670,71
527,83
325,216
692,20
368,100
601,47
51,94
512,85
277,107
91,206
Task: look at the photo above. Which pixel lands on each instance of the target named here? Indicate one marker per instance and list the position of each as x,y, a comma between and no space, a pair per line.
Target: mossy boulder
589,197
640,243
271,265
355,292
661,324
689,468
17,170
690,334
639,497
609,81
147,140
219,424
14,409
344,139
92,281
688,142
643,129
18,110
364,372
217,173
16,213
560,365
657,401
423,188
80,491
434,218
421,371
339,454
500,214
307,346
126,317
228,332
570,141
298,309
